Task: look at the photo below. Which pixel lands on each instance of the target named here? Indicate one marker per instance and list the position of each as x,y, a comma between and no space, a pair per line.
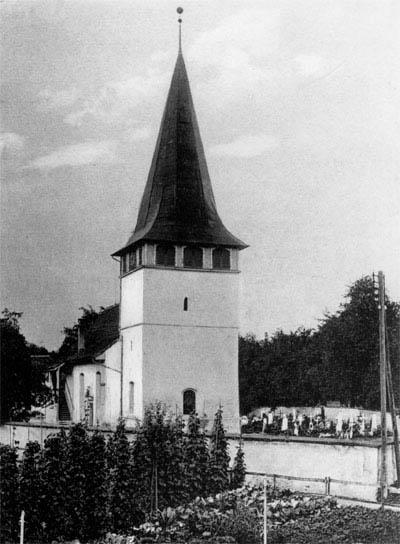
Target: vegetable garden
164,486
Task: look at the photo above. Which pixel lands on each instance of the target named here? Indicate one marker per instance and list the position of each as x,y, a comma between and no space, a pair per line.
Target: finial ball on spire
179,10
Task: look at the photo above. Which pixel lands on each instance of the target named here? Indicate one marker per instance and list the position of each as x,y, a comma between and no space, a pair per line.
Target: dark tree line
337,361
21,383
80,485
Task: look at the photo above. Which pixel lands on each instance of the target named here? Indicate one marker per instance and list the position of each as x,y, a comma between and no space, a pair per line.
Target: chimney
81,338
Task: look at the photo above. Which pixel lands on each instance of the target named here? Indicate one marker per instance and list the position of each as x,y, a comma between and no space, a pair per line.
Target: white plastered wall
109,368
167,349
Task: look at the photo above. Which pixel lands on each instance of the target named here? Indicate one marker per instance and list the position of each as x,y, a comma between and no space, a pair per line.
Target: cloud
237,58
137,134
77,155
246,146
11,143
53,100
115,101
309,65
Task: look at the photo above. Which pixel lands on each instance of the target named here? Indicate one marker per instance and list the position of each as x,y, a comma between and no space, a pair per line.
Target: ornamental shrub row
80,486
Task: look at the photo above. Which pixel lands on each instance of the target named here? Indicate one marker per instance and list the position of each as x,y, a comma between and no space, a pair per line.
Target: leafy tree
15,368
9,505
96,486
238,469
31,491
22,385
196,459
53,471
349,344
219,458
253,373
69,345
338,361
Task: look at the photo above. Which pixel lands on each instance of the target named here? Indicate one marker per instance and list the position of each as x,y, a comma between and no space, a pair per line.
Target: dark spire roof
178,204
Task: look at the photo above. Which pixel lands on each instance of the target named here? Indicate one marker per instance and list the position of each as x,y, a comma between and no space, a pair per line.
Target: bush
54,485
9,505
238,469
96,503
31,491
348,525
76,467
196,459
219,458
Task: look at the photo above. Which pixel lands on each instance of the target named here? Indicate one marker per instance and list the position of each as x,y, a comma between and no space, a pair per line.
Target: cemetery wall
352,466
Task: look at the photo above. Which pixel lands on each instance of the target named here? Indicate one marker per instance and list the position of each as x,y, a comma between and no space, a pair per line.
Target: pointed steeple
178,204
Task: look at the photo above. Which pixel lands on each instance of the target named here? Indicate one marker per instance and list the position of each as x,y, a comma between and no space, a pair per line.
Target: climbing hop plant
219,458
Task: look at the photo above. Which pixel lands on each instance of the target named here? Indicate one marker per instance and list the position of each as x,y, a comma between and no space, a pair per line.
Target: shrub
54,485
9,506
238,469
76,466
121,483
196,459
218,479
31,490
96,504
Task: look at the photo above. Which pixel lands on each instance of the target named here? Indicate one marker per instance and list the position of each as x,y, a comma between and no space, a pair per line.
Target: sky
298,105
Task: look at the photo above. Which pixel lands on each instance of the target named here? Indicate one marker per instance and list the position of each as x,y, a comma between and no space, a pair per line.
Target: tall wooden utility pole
392,405
382,367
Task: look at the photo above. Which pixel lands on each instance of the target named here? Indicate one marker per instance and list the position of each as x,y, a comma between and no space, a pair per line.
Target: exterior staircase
64,413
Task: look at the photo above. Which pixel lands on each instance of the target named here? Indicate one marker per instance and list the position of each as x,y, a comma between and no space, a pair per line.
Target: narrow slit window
98,398
81,396
185,304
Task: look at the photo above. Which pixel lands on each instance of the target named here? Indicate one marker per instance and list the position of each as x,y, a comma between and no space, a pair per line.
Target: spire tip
179,12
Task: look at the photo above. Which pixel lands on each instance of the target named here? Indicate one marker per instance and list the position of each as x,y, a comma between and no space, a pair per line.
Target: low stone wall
316,465
352,466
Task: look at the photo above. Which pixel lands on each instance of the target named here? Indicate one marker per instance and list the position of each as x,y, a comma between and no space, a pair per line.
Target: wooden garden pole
382,368
392,406
265,510
22,524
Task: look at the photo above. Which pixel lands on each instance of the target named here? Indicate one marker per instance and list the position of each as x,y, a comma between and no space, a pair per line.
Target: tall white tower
179,280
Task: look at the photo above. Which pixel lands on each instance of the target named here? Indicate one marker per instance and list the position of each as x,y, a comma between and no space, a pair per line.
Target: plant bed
350,525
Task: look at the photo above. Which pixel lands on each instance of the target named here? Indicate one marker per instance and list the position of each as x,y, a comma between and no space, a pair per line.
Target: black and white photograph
200,272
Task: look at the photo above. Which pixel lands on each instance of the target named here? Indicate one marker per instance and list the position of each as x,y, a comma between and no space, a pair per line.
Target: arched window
131,397
193,257
185,304
97,399
81,396
189,401
221,258
165,255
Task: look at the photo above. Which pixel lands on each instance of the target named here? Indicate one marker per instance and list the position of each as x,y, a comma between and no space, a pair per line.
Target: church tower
179,280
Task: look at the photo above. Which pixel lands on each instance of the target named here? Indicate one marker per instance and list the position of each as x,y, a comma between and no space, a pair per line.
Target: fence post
22,523
274,481
265,509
